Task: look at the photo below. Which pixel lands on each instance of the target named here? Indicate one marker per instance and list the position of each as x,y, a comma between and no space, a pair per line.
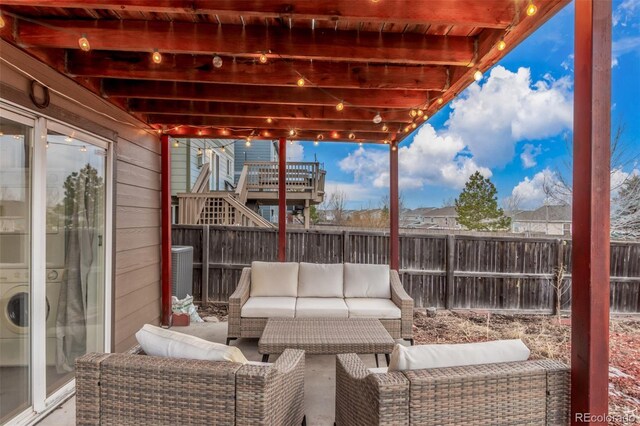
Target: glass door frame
40,404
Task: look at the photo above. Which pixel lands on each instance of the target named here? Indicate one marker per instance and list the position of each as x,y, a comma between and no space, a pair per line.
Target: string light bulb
377,119
156,56
47,145
316,143
352,136
269,120
406,129
224,132
266,133
217,61
83,148
263,58
83,42
335,134
477,76
420,113
413,113
2,23
531,8
394,148
176,144
320,136
248,142
414,125
340,106
224,149
68,139
440,101
199,151
425,117
501,44
385,128
292,132
300,82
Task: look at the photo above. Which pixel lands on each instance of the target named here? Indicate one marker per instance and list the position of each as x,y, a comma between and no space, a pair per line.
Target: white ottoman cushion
372,308
156,341
362,280
320,280
438,356
274,279
269,307
321,307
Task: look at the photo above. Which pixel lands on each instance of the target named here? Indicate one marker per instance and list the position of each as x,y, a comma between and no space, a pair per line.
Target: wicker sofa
135,389
395,311
524,392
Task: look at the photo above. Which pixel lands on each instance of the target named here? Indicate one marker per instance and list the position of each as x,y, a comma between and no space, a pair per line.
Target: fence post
557,280
451,267
205,264
345,246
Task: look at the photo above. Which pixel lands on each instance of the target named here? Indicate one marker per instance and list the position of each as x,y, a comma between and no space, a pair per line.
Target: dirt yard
547,339
545,336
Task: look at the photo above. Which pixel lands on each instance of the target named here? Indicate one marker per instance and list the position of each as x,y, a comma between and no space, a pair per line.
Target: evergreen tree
477,206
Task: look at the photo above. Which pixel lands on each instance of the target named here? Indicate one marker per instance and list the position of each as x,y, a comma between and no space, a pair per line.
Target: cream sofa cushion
362,280
156,341
269,307
438,356
274,279
321,307
320,280
372,308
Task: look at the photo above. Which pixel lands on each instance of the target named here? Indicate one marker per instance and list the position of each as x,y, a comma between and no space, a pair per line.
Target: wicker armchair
252,327
137,389
527,392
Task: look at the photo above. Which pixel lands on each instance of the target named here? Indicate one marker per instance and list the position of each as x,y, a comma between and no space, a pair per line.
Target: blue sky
514,125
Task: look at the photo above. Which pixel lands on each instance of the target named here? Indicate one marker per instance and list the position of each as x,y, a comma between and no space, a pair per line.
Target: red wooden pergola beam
276,124
249,41
263,111
268,134
199,68
591,210
488,13
265,94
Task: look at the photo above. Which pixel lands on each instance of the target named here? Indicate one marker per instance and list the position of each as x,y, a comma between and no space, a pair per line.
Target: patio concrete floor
319,392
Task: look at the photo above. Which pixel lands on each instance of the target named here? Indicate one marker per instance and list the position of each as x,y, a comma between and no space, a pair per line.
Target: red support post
165,197
591,194
282,200
394,208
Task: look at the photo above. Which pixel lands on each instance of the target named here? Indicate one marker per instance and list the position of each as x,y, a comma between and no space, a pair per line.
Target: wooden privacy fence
443,271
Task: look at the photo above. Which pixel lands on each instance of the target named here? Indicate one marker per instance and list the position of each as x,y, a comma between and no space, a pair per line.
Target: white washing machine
15,315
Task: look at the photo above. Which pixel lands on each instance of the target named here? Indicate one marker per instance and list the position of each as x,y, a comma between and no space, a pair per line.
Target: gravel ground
545,336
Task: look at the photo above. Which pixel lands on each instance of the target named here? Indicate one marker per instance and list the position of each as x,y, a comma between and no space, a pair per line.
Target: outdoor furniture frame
401,328
326,336
525,392
132,388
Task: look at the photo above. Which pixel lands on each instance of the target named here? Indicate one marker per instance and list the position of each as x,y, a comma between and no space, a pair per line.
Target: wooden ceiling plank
262,111
264,94
485,13
198,68
249,41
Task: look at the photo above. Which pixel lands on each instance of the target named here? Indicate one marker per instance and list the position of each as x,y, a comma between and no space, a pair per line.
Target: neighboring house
258,151
547,220
432,218
188,156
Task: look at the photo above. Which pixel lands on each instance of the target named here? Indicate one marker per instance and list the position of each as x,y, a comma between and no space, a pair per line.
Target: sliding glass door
54,239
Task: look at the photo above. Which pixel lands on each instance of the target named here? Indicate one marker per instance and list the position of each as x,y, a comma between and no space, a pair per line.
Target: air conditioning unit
182,271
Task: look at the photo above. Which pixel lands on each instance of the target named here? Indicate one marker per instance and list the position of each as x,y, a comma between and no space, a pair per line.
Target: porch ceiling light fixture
156,56
83,42
531,8
477,75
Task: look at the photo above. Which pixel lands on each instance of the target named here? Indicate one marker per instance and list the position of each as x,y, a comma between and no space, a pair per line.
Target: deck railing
217,208
262,176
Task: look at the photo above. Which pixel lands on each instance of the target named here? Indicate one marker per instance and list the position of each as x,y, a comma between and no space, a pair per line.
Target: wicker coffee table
326,336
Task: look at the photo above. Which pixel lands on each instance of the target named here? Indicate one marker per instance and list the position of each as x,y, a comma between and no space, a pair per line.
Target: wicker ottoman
326,336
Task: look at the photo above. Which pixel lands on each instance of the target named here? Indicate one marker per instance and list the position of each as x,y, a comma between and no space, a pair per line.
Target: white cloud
614,62
529,155
531,191
431,159
567,64
623,46
295,151
355,192
625,12
509,108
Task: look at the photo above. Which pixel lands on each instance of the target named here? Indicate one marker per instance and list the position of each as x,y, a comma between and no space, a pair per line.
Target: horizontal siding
131,303
135,217
134,196
128,282
131,174
128,326
135,238
131,260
